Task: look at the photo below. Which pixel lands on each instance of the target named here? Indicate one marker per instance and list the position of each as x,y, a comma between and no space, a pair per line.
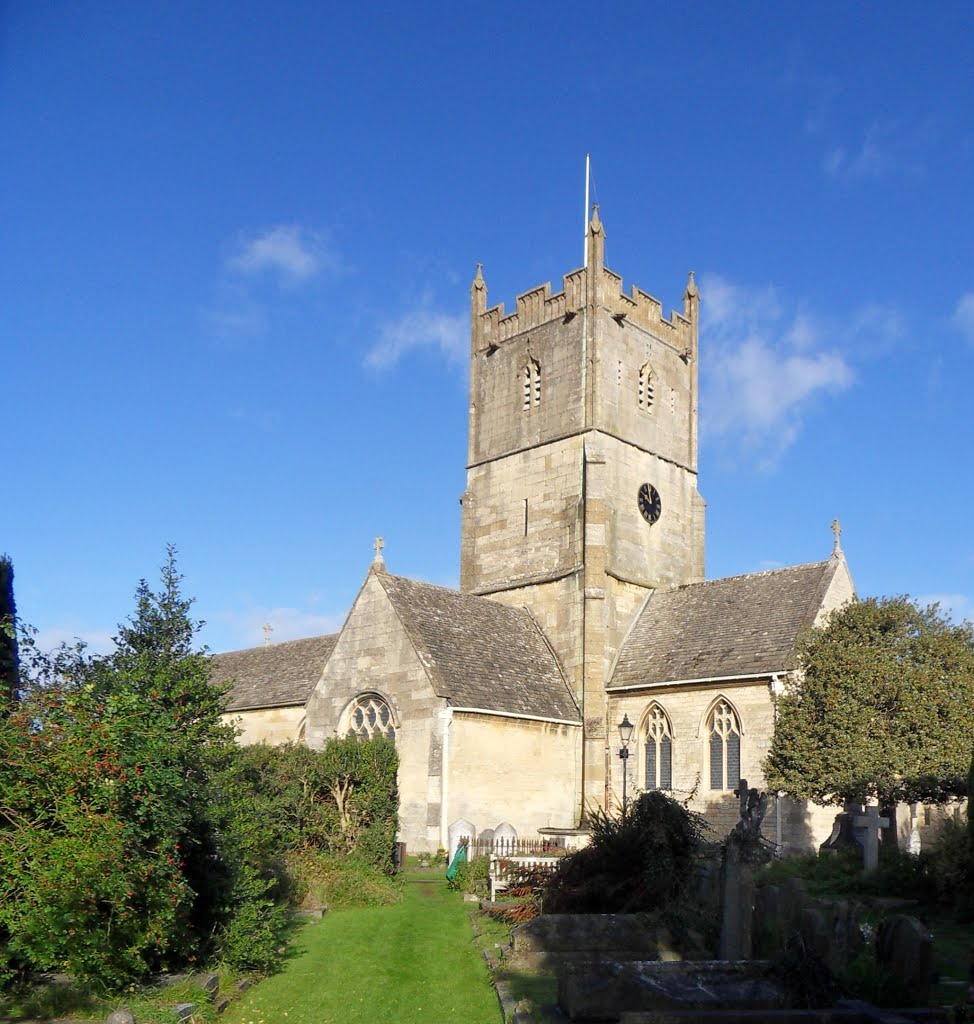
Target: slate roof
274,675
738,626
480,653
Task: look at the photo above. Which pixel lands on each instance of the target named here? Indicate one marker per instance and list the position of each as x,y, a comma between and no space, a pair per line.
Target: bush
641,862
324,880
472,876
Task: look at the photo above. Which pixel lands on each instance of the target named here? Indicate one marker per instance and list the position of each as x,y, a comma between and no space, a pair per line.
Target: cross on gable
378,544
836,530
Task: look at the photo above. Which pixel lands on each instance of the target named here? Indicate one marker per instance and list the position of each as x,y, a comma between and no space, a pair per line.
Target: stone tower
581,490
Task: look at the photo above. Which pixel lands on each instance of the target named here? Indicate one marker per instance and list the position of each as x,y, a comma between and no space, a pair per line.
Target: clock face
649,503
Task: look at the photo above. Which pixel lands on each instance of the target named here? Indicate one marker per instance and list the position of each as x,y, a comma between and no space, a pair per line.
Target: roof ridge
276,644
749,575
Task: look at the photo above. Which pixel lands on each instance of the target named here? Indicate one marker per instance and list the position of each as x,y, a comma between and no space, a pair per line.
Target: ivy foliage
883,707
124,849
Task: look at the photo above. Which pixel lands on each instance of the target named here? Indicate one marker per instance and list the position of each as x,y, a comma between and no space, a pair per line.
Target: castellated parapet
538,306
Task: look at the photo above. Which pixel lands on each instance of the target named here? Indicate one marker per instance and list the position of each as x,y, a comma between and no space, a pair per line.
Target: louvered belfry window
531,385
725,747
658,749
371,716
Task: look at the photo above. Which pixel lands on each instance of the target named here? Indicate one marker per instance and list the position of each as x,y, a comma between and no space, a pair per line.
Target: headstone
914,845
905,949
123,1016
867,828
736,906
843,838
486,837
505,838
460,829
845,935
815,933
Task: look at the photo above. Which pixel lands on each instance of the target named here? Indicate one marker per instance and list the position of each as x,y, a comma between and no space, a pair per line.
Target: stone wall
374,655
511,770
268,725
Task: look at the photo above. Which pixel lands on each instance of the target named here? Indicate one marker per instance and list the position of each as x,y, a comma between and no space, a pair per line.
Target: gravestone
486,837
505,837
460,829
843,838
867,828
905,949
743,848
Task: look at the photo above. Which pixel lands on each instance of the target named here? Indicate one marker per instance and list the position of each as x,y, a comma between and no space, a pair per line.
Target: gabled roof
738,626
480,653
274,675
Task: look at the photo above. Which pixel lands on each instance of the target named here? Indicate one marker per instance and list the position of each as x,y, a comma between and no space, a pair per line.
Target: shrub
324,880
641,862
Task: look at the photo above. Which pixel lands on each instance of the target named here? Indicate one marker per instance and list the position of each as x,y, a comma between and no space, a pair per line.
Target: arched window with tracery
658,749
531,384
371,716
647,388
725,747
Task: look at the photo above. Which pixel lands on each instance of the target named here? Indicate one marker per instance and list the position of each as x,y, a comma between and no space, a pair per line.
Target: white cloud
98,641
957,607
421,328
963,317
290,251
285,623
764,368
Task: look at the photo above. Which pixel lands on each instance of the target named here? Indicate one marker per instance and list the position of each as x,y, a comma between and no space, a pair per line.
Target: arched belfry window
658,749
531,384
725,746
647,387
370,716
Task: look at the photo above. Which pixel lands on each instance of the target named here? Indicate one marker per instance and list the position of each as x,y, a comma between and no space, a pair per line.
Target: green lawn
415,961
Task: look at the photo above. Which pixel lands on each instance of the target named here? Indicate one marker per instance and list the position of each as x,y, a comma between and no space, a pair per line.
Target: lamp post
625,734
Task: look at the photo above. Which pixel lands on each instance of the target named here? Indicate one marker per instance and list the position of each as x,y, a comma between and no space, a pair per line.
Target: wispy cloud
867,159
421,328
98,641
286,624
957,607
290,252
767,365
963,318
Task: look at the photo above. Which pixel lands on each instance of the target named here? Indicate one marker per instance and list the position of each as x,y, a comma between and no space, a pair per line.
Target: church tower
581,492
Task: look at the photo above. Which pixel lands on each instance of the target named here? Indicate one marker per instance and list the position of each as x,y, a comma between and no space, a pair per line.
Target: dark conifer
9,671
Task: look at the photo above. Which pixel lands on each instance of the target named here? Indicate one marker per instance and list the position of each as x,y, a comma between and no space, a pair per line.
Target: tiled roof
738,626
480,653
274,675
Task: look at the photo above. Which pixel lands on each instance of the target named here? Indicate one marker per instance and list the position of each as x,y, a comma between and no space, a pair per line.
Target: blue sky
236,243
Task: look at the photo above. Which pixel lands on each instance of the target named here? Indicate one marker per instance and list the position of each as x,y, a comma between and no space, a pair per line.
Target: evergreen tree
883,707
9,668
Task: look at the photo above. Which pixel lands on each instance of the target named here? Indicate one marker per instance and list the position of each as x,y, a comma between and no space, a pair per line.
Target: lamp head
625,730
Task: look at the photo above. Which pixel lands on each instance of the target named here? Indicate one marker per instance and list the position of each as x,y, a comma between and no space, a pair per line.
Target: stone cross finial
268,629
378,544
836,530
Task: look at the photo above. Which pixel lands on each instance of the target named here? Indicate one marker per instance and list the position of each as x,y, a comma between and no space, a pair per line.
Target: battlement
538,306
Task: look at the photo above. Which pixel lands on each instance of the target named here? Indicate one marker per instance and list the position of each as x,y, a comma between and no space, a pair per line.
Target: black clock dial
649,503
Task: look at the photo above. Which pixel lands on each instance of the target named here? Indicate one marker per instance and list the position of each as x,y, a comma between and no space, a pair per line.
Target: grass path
415,961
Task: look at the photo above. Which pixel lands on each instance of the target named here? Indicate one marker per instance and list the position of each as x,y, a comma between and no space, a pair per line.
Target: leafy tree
883,707
127,851
8,635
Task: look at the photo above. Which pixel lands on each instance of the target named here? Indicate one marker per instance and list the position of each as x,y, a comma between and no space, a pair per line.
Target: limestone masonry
582,596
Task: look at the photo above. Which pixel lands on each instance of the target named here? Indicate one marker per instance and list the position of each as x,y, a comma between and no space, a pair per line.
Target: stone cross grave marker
867,832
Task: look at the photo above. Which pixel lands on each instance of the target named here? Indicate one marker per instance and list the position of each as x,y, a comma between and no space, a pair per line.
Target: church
583,602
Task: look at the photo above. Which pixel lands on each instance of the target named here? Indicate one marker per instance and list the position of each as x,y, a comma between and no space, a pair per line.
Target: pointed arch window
725,747
371,716
531,385
658,749
647,388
